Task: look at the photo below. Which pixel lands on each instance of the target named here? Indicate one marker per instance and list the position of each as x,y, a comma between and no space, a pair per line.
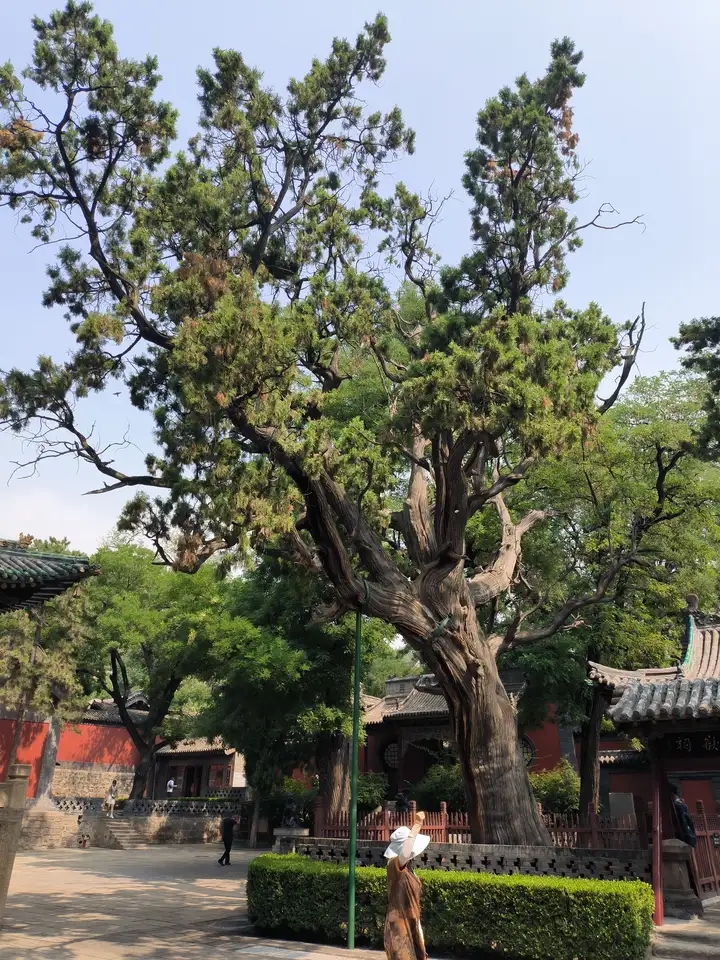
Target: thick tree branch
634,341
488,584
563,615
500,484
417,525
120,697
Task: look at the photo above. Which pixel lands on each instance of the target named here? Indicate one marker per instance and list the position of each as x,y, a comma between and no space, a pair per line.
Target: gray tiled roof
28,579
688,691
111,714
700,660
199,745
426,699
679,699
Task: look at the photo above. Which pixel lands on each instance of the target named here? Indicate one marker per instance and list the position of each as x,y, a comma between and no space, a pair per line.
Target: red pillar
657,833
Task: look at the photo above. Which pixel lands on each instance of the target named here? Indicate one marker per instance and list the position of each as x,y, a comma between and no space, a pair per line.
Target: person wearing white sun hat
404,938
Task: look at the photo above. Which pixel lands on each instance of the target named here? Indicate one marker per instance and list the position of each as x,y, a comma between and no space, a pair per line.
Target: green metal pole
354,782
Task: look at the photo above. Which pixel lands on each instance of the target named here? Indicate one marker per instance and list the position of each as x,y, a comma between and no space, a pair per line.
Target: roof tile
680,700
28,579
198,745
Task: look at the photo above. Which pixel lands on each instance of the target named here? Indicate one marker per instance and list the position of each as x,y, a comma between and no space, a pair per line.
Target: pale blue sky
647,118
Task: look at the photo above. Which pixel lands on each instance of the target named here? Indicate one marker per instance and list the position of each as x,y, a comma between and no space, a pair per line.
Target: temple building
28,579
675,713
408,731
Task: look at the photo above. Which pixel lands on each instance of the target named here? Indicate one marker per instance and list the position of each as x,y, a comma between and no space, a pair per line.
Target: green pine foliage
521,918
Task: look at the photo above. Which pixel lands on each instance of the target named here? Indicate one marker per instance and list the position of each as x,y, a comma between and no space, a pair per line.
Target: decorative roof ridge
617,677
14,546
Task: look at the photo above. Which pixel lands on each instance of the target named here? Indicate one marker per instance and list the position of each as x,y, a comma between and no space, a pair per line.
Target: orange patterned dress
403,933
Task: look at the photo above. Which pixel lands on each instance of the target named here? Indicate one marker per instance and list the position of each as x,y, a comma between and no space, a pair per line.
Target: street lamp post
354,780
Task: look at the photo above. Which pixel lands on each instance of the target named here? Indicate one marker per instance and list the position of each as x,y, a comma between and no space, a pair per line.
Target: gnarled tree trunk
143,769
49,756
500,802
590,755
255,824
332,760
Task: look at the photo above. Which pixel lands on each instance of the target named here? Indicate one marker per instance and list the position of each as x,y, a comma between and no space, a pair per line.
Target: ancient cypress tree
240,294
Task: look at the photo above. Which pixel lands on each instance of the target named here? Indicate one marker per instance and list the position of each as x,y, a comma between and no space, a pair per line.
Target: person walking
111,799
404,938
170,787
683,821
228,835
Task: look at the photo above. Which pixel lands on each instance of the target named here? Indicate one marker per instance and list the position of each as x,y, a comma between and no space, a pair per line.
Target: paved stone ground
169,902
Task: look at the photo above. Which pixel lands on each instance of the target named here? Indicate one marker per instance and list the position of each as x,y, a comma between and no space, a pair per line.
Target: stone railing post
12,804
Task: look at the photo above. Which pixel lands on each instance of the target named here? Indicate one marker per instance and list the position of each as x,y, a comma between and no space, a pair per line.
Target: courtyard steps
124,835
697,939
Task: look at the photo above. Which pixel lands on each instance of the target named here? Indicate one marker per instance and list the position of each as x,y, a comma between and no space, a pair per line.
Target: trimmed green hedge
523,918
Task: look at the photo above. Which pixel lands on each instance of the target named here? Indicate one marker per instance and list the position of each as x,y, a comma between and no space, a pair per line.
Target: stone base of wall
482,858
48,830
177,829
90,780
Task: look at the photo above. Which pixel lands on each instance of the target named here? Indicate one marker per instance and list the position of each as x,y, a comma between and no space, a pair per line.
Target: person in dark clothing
228,835
683,820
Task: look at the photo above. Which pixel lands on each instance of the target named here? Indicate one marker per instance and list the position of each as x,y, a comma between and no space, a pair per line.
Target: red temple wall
546,740
30,749
97,743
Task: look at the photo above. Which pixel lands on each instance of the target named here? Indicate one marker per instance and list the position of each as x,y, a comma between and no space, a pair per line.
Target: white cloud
32,507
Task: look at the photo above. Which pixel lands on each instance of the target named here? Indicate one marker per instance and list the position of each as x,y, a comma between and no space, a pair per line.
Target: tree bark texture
436,616
590,755
333,766
49,755
500,802
255,825
143,769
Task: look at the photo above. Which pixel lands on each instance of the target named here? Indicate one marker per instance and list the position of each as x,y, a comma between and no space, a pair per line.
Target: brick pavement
169,902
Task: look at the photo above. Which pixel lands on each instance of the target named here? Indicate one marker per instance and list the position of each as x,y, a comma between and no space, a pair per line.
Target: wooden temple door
706,855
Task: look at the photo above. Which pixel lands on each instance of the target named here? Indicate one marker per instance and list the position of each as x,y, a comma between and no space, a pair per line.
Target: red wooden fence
600,833
706,855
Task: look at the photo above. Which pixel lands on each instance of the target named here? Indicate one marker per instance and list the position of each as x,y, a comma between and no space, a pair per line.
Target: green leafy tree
236,293
38,655
557,790
153,630
256,705
443,783
280,597
638,481
700,341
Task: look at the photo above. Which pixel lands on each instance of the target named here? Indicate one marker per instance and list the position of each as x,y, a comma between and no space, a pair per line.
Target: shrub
440,783
372,790
303,795
558,790
519,918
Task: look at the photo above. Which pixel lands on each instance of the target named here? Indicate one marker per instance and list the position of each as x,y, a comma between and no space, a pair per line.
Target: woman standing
403,932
